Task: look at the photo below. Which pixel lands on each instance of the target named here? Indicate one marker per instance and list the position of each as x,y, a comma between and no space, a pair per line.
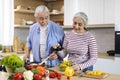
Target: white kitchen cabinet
98,11
95,11
109,11
117,10
70,8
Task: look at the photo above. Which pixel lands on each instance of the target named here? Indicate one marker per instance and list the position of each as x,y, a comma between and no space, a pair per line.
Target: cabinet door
117,10
70,8
93,8
95,11
98,11
109,11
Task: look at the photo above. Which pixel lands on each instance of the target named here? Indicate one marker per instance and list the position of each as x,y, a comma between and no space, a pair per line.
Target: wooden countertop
105,55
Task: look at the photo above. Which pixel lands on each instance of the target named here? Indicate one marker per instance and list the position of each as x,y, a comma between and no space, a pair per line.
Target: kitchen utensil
82,72
44,60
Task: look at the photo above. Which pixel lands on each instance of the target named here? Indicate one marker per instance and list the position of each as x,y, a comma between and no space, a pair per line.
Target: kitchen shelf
32,12
22,26
93,26
70,26
23,11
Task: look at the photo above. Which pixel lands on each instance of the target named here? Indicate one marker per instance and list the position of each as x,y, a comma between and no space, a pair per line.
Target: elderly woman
43,35
80,44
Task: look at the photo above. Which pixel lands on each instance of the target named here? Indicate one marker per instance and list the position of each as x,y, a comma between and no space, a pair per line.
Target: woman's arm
92,51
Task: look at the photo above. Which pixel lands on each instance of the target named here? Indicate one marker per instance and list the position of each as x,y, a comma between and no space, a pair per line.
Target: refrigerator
117,39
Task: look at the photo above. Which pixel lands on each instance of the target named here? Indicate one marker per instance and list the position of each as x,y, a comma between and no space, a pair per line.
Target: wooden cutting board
104,75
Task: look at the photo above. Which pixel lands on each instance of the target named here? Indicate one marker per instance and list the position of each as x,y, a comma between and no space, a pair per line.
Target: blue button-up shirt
55,34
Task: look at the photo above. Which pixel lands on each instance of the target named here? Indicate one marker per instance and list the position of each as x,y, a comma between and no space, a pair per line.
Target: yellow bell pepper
69,71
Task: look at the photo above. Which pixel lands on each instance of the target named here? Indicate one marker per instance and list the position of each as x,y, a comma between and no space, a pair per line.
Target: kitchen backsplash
104,36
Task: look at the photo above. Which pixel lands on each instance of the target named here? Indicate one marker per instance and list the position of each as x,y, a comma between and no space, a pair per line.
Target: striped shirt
82,48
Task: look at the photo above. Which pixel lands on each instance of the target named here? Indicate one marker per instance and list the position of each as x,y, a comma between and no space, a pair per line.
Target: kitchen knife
53,50
82,73
44,60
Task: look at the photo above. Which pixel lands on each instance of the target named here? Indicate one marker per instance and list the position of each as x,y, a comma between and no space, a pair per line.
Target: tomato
52,75
58,75
18,76
37,77
28,67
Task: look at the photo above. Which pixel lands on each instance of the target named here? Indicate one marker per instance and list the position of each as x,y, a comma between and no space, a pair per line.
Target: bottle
23,22
47,75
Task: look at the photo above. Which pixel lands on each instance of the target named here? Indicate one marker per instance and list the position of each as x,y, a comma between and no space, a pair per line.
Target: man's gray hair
83,16
39,9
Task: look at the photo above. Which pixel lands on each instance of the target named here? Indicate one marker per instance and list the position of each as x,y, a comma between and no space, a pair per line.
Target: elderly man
43,35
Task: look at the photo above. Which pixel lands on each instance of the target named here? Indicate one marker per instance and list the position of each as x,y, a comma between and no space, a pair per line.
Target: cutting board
104,75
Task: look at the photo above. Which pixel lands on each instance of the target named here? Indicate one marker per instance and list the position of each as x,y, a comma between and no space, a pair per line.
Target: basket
10,71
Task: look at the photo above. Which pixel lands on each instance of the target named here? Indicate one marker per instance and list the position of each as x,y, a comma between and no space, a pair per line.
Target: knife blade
82,73
44,60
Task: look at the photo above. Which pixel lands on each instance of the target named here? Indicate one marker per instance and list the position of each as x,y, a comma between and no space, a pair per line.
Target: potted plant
0,47
11,62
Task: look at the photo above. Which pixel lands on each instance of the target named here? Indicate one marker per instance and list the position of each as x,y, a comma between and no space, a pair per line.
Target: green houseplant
11,62
0,47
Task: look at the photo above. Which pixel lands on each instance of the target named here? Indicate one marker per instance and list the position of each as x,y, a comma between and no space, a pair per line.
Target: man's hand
53,56
25,58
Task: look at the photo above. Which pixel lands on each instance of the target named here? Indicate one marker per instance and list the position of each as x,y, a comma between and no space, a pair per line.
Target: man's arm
27,55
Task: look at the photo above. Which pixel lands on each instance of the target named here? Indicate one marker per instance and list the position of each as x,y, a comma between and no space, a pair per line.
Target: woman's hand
76,67
53,56
56,45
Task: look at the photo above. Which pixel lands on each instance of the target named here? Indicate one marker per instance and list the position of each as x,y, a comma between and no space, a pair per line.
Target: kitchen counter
105,56
4,76
107,59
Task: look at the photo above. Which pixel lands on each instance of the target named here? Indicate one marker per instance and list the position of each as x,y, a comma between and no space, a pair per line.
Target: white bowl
29,22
